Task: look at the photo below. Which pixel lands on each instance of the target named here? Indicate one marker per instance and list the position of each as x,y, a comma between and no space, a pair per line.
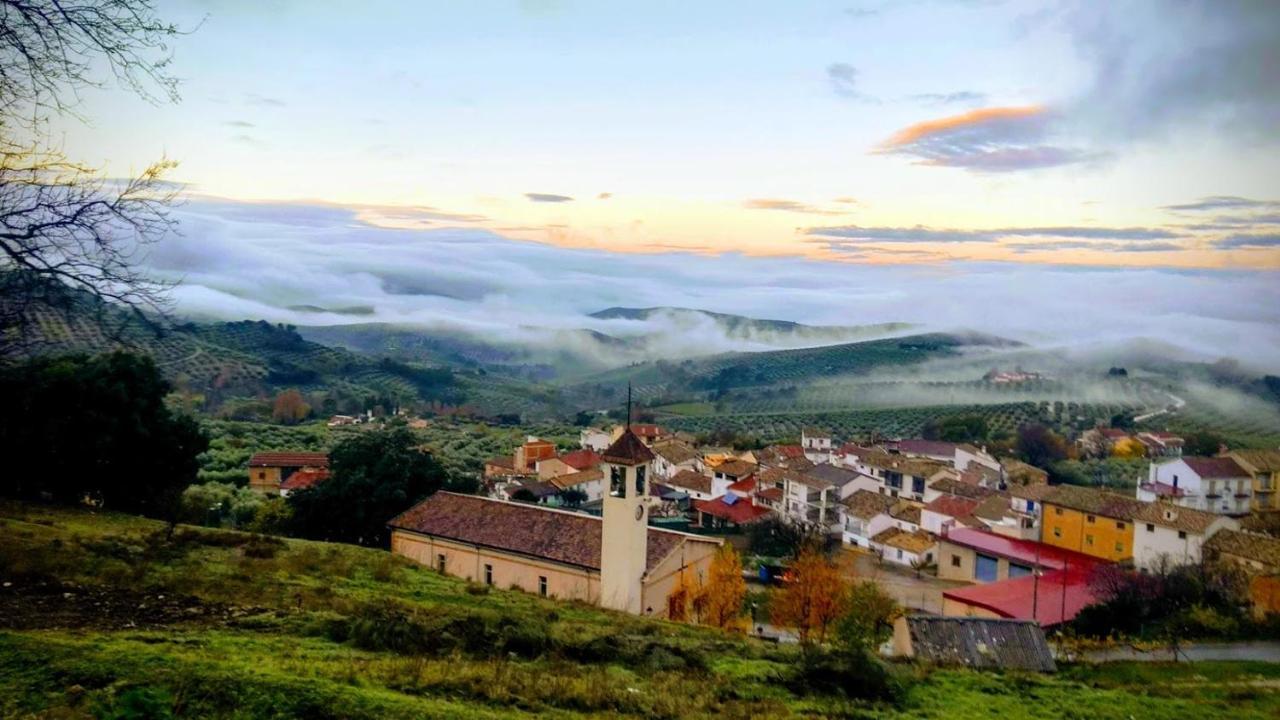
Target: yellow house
1263,467
1090,521
268,470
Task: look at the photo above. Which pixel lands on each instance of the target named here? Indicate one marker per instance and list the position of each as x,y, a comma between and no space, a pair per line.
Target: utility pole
1035,585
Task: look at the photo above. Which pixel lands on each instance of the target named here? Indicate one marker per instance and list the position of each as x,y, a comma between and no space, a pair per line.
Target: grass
300,629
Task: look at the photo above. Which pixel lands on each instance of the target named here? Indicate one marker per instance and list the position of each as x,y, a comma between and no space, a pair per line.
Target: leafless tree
66,232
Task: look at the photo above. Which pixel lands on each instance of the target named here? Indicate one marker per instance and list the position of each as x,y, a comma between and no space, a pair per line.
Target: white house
1217,485
816,444
863,515
912,549
967,455
696,484
728,473
1165,535
672,455
594,439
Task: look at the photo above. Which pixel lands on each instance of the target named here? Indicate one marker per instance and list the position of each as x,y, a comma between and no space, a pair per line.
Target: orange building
534,450
1093,522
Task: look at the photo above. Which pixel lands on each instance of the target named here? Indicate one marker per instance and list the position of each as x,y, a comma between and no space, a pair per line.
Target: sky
1072,149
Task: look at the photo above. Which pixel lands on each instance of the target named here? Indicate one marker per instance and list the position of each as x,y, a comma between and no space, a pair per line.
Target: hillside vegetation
103,615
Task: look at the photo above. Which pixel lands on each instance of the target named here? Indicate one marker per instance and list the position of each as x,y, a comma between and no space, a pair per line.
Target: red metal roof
740,512
1026,599
304,479
1021,551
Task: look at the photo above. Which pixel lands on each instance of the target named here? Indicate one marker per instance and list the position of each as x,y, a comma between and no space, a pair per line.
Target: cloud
786,205
844,81
1243,241
1100,233
998,139
1221,202
917,234
960,97
1157,67
921,234
1060,245
263,101
847,200
242,260
547,198
239,124
604,196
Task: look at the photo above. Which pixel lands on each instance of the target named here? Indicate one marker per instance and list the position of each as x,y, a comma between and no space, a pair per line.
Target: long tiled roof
690,480
564,482
913,542
559,536
1169,515
1094,501
1263,460
1215,467
289,459
581,459
736,468
866,504
675,451
1263,548
924,447
952,486
952,506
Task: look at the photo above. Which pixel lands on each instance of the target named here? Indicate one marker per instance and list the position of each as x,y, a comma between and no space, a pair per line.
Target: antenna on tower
628,404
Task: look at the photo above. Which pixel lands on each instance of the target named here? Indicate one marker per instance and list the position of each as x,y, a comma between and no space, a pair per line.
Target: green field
101,617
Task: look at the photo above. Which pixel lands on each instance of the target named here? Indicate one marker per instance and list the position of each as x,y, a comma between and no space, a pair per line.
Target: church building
617,561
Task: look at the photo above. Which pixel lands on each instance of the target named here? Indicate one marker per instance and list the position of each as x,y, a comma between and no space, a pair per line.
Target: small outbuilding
979,643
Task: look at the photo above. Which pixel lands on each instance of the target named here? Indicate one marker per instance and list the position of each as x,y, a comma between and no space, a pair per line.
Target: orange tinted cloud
912,133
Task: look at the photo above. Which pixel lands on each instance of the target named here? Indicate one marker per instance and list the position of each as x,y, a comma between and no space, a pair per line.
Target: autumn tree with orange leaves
718,601
814,600
290,407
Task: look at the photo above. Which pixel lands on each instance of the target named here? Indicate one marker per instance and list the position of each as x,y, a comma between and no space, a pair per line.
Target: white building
1217,485
672,456
594,439
816,444
1166,535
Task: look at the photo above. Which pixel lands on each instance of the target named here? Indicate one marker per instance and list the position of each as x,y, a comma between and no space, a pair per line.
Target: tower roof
627,450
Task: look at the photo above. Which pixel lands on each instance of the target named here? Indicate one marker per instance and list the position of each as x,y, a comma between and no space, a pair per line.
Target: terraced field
898,422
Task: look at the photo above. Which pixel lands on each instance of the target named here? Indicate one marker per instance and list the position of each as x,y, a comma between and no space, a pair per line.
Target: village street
919,593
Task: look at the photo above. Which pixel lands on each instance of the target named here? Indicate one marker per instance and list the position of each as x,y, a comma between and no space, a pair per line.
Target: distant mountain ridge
743,327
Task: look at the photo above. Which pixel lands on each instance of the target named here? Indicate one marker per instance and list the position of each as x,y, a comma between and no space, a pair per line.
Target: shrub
137,703
849,673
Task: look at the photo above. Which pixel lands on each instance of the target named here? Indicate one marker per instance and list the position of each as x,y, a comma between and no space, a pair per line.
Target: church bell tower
625,528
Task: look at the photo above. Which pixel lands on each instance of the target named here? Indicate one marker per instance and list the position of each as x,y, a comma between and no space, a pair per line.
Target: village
948,529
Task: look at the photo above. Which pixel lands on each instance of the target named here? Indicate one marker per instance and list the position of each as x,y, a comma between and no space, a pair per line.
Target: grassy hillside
100,616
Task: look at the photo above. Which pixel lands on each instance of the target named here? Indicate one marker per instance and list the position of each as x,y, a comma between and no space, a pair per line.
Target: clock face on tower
639,512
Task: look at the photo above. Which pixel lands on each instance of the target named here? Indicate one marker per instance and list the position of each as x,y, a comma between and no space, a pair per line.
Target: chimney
1175,482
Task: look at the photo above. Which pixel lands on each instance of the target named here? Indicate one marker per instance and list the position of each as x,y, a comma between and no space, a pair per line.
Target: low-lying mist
321,265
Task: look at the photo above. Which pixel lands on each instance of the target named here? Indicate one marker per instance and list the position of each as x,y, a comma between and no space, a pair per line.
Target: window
1057,532
1119,526
1088,539
1151,527
1017,571
542,585
986,568
640,481
617,480
1089,518
1119,547
1031,506
955,561
262,475
1182,534
1057,511
440,562
488,574
899,553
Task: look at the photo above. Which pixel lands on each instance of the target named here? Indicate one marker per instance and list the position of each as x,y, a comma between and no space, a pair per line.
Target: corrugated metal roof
980,643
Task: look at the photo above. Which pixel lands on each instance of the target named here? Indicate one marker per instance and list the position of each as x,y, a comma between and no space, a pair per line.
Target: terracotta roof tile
565,537
736,468
303,479
1263,548
866,504
1215,467
1179,518
581,459
627,450
1094,501
289,459
690,480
